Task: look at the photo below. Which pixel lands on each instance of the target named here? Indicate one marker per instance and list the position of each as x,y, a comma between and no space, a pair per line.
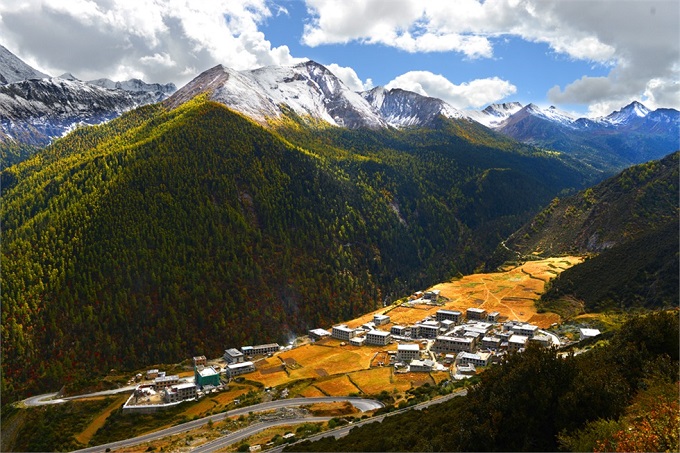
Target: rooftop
240,365
380,333
408,347
207,371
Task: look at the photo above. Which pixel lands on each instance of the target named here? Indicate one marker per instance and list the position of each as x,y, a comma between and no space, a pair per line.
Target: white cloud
350,77
639,40
156,40
473,94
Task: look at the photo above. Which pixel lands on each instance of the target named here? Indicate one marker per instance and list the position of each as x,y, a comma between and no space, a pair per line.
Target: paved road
49,398
244,433
360,403
555,338
344,430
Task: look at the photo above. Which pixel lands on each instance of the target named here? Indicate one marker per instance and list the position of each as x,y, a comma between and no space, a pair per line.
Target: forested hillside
165,234
629,226
622,396
635,201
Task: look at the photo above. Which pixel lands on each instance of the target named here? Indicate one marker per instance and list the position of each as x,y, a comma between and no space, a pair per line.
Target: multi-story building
475,313
261,349
477,359
453,315
453,344
401,331
493,316
180,392
527,330
357,341
152,374
318,334
165,381
421,366
428,329
542,340
407,352
200,360
517,342
378,337
432,295
236,369
491,342
342,332
380,320
206,376
233,355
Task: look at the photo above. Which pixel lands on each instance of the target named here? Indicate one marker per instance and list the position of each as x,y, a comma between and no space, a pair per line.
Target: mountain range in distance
35,109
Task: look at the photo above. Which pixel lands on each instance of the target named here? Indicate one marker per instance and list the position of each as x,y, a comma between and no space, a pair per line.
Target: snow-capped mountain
631,135
13,69
626,115
401,108
307,89
135,85
495,114
34,108
38,110
311,91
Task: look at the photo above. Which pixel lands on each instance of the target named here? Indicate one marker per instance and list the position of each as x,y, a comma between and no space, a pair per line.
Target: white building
165,381
477,359
233,355
491,342
180,392
517,342
378,337
261,349
357,341
432,295
453,344
527,330
588,333
318,334
452,315
342,332
493,316
407,352
428,329
475,313
380,320
401,331
421,366
542,340
236,369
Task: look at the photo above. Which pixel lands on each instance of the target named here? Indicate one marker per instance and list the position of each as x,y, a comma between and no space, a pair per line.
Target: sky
587,57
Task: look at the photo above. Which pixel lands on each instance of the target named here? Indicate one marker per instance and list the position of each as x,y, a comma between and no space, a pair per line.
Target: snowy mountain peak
493,115
13,69
630,112
135,85
68,76
401,108
308,89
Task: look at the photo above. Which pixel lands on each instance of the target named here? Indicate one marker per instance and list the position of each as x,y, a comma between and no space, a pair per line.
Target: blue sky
585,56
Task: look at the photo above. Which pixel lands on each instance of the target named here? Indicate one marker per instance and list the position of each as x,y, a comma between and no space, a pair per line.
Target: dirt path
98,422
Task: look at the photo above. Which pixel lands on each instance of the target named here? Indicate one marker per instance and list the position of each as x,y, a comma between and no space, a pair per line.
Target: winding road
360,403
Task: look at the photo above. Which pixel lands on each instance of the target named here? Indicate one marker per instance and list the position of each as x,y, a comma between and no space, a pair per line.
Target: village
446,343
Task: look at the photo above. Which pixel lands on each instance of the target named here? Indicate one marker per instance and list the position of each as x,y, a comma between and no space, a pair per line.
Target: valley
332,368
488,269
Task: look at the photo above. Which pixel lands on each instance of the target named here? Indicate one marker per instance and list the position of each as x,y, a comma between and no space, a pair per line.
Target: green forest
169,233
621,395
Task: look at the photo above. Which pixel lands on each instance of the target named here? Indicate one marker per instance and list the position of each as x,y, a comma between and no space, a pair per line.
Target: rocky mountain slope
36,108
13,69
631,135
